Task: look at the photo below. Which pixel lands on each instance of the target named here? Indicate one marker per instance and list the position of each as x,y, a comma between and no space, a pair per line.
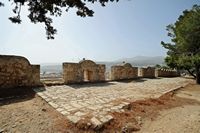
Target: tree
184,48
42,11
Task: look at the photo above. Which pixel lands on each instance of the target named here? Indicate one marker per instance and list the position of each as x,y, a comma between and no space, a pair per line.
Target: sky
124,29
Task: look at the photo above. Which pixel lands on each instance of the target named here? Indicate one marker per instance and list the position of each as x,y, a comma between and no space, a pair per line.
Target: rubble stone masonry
167,73
123,71
84,71
16,71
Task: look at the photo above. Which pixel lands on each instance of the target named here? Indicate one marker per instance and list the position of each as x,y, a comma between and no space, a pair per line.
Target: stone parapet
124,71
84,71
149,72
16,71
167,73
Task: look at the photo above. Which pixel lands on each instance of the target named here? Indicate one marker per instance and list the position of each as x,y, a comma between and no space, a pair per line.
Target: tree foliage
184,48
42,11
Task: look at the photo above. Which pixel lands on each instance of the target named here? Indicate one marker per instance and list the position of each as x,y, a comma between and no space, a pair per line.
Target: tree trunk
191,73
197,75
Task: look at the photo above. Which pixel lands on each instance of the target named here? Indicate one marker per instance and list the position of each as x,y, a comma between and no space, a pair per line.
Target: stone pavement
95,102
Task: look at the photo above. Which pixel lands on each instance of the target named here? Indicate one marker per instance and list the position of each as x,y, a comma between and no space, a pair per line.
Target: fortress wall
148,72
121,72
167,73
16,71
84,71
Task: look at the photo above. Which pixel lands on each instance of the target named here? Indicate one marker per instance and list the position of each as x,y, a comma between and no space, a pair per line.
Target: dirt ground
174,112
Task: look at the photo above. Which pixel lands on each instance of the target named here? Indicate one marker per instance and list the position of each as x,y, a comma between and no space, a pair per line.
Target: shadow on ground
15,95
82,85
132,80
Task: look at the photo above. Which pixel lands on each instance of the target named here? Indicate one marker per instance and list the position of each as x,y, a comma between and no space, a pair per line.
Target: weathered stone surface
125,105
64,112
85,70
87,98
79,114
106,119
123,71
130,127
53,104
167,73
16,71
73,119
59,109
149,72
96,123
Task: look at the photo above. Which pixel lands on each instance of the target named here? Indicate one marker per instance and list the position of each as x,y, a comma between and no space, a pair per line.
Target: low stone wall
124,71
35,75
84,71
72,73
16,71
148,72
101,72
167,73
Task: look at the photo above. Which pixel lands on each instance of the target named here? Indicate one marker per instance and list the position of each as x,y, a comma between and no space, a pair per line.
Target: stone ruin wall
101,72
149,72
74,72
16,71
125,71
167,73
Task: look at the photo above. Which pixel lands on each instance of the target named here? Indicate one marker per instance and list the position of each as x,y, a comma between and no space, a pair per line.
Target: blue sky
120,30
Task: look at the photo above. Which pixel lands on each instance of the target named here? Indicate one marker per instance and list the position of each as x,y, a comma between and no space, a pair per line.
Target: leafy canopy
184,48
42,11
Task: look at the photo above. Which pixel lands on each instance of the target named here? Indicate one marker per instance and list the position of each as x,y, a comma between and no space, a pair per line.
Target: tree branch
191,73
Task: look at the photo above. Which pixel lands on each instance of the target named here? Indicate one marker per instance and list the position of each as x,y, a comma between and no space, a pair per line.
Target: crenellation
16,71
167,73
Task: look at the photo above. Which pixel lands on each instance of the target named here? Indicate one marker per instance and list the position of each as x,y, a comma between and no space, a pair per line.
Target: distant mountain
144,60
51,68
138,61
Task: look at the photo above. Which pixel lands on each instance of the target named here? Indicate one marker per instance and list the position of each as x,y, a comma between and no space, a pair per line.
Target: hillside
138,61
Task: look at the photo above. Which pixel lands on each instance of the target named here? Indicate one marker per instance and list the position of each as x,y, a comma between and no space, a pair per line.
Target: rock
54,105
73,119
65,112
139,120
79,114
130,127
1,130
106,119
96,123
44,110
126,105
13,126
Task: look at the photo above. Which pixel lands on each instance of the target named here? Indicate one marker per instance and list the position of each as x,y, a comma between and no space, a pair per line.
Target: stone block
96,123
73,119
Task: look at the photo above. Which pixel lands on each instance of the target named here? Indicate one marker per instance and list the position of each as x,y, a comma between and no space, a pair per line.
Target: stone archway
84,71
89,69
87,75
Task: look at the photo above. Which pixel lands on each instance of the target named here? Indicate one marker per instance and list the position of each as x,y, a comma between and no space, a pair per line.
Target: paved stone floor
96,101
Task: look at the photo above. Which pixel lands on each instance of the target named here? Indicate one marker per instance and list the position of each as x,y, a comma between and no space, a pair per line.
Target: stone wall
72,73
84,71
35,75
167,73
124,71
16,71
101,72
148,72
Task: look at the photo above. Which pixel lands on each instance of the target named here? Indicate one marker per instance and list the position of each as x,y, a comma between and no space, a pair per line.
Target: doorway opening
87,75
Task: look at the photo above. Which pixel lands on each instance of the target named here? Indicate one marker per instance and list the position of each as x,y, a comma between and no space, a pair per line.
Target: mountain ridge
139,61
